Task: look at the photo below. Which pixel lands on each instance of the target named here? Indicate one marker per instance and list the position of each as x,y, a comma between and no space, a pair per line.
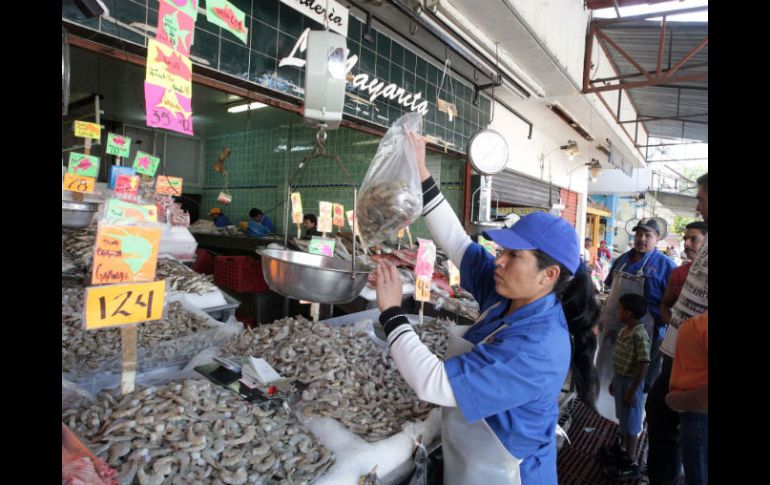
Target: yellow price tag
168,185
78,183
84,129
122,304
296,217
401,233
454,274
422,290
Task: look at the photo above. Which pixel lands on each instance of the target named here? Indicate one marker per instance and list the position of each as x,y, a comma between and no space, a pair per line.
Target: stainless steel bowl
312,277
77,214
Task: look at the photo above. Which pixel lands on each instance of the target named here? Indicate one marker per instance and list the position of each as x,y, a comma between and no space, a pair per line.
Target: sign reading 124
376,88
122,304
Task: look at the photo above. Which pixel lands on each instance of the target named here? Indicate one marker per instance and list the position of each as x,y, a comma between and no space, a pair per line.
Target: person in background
688,395
630,359
664,459
501,378
603,251
586,255
644,261
694,235
310,223
259,224
219,218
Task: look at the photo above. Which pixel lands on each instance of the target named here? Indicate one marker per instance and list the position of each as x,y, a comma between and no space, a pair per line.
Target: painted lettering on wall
375,87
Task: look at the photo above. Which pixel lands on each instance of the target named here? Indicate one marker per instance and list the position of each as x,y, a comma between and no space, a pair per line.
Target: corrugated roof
640,39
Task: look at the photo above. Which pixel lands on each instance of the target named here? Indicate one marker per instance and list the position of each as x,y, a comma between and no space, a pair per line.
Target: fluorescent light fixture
246,107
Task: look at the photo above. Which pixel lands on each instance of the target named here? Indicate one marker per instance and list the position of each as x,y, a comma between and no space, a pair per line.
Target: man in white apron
643,271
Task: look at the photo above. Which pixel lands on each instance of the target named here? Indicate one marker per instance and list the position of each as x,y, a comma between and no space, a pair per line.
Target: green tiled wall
262,161
275,28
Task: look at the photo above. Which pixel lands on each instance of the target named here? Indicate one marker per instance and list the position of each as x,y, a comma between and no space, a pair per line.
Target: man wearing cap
646,271
219,218
500,379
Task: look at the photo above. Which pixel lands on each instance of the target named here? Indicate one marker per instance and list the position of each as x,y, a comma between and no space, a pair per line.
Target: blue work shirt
267,223
657,270
514,381
222,221
256,229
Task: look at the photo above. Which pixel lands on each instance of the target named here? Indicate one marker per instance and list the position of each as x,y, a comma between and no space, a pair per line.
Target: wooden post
128,368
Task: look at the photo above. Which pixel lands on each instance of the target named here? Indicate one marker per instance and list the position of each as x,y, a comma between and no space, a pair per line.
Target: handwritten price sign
168,185
168,109
339,215
325,216
296,202
118,145
88,130
296,217
77,183
323,246
423,269
113,305
422,291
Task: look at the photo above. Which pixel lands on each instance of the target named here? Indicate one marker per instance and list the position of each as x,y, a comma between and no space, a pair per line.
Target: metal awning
679,204
662,66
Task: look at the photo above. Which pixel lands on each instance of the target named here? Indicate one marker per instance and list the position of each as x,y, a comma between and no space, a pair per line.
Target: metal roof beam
701,76
652,15
638,74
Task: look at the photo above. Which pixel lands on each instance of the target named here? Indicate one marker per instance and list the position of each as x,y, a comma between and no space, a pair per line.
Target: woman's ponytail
577,298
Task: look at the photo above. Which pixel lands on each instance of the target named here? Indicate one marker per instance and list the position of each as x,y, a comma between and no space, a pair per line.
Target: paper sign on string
168,109
224,14
423,269
125,254
168,68
338,218
175,27
325,216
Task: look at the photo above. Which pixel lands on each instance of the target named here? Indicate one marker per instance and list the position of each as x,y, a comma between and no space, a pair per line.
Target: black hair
576,295
633,303
311,217
255,212
704,180
588,239
699,225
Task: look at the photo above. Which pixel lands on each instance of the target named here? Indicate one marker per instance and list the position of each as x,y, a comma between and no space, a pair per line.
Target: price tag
339,215
352,221
126,186
296,202
78,183
113,305
126,211
85,165
125,253
145,164
325,216
401,232
168,185
323,246
422,291
454,274
488,245
118,145
88,130
423,269
296,217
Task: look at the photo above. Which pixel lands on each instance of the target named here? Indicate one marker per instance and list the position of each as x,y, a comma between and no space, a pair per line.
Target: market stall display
196,432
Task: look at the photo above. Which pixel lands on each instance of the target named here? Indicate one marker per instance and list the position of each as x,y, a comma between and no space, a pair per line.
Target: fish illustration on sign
81,164
229,17
174,64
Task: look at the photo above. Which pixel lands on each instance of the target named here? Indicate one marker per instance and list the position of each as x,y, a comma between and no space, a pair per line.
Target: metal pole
355,207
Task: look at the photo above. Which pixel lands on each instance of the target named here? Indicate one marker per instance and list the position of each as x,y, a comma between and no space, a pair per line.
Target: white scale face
488,152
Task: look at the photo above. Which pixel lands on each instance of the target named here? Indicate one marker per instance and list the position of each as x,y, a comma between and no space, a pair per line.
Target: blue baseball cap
540,230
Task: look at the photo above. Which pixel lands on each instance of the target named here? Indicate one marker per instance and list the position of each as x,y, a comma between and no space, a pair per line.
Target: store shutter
570,200
522,190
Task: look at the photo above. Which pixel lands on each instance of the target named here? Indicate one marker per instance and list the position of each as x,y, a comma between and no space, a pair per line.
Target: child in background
630,359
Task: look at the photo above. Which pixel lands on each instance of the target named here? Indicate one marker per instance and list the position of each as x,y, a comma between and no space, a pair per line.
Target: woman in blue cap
500,382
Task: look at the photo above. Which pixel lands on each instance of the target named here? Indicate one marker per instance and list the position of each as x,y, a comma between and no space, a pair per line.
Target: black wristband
392,318
430,190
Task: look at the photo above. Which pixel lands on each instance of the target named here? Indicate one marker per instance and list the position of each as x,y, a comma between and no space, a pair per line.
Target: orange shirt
691,359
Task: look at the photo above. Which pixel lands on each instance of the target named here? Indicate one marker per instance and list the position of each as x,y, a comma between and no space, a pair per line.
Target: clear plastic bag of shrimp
391,193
